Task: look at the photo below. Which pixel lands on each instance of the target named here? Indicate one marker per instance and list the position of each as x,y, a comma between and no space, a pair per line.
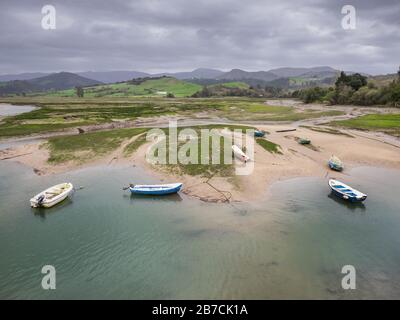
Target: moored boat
259,133
304,141
345,192
240,154
155,189
335,163
53,195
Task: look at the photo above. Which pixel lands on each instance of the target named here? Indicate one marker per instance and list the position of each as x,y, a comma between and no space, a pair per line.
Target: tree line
353,89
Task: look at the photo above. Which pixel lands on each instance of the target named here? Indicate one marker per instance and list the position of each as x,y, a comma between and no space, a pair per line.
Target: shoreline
368,149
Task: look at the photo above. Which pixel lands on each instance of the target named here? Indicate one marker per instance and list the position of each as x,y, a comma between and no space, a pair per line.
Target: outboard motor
41,199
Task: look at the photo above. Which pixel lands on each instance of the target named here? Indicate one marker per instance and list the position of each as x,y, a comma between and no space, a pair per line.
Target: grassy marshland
84,147
57,113
207,170
134,145
269,146
389,123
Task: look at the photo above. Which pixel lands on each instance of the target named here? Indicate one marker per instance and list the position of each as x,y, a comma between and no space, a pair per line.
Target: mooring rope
227,199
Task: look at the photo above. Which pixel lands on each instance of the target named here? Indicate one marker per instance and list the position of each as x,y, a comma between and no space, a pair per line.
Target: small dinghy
239,153
345,192
335,163
304,141
259,133
155,189
52,195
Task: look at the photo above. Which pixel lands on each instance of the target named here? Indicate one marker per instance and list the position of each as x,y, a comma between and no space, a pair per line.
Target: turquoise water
104,243
12,110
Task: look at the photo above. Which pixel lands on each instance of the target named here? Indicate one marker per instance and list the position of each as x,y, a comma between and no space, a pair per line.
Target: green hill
232,84
138,87
55,81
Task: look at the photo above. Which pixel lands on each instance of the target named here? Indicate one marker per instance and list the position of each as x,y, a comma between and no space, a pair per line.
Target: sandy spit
362,149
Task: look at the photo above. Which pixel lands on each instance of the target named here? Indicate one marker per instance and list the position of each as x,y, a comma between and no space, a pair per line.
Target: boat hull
259,134
347,198
240,154
51,201
345,192
304,141
34,204
155,190
335,166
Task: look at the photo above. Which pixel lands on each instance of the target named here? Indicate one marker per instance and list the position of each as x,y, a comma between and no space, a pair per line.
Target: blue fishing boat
345,192
335,163
155,189
259,133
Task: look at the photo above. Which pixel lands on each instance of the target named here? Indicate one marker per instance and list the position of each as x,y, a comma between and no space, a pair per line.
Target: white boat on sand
52,195
240,154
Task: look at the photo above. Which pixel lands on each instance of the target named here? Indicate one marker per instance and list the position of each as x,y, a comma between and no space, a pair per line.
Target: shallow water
12,110
104,243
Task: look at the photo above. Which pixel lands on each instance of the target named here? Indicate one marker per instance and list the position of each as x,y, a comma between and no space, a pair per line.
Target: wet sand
361,149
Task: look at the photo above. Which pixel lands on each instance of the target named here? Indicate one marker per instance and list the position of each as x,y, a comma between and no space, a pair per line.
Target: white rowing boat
52,195
239,153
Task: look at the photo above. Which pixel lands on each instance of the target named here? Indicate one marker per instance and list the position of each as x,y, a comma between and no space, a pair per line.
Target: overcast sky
180,35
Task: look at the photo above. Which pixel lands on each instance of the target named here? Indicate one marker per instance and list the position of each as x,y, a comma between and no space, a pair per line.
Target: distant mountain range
55,81
22,76
113,76
200,73
280,78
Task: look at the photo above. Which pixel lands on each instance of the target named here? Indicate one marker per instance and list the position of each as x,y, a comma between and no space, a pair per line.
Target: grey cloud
175,35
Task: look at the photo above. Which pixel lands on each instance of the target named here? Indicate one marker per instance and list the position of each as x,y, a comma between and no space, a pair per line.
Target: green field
268,145
389,123
153,87
85,147
57,113
232,84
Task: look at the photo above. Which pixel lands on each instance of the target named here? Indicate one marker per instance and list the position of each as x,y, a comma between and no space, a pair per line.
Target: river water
12,110
104,243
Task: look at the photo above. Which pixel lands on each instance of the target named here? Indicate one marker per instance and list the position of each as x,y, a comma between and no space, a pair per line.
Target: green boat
335,163
304,141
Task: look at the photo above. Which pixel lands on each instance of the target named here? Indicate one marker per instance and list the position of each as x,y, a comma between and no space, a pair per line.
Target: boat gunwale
359,196
49,202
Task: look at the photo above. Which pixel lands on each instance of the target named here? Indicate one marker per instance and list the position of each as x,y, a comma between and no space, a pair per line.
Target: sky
181,35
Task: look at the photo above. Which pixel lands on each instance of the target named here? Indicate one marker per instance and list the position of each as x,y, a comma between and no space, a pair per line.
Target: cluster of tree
353,89
316,94
79,92
224,91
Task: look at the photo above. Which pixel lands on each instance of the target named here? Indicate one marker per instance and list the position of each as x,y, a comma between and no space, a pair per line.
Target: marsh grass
389,123
328,130
134,145
83,147
269,146
58,113
221,169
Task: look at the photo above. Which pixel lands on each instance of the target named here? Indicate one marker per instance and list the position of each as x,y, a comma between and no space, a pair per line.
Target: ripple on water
107,245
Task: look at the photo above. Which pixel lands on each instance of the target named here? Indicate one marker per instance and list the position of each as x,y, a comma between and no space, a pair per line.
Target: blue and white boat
345,192
155,189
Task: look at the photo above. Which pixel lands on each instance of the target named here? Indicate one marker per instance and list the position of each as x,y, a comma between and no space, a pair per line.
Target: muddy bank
296,160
